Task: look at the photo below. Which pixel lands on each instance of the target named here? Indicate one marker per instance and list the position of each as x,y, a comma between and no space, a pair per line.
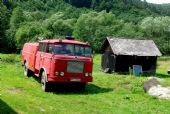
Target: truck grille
75,67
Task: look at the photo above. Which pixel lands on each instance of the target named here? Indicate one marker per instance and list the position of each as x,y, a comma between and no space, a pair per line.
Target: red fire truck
58,60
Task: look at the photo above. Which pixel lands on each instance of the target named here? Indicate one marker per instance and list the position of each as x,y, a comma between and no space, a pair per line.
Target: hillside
128,10
87,20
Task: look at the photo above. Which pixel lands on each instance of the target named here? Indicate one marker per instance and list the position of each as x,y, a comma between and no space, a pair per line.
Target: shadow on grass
90,89
6,109
145,74
158,75
93,89
68,88
162,75
35,78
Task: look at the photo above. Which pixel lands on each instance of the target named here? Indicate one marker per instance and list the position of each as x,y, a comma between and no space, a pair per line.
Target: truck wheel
27,72
44,83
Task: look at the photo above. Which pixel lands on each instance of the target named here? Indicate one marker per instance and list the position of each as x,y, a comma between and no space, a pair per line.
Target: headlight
56,73
86,74
61,73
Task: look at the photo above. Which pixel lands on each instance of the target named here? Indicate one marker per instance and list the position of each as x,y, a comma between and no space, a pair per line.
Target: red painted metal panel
53,63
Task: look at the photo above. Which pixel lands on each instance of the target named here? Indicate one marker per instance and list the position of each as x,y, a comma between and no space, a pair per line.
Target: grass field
107,94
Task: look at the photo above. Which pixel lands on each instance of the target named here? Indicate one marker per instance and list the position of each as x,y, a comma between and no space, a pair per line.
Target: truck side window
50,48
42,47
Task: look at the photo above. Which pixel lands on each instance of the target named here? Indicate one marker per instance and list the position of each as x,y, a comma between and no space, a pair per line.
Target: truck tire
27,72
44,82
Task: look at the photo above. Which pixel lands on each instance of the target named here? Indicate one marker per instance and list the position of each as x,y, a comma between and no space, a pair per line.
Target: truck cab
58,60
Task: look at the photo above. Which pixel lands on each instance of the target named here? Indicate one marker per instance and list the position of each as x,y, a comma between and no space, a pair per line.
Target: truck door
39,56
47,59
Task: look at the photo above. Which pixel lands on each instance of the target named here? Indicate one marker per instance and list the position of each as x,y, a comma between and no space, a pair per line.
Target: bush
30,32
10,58
95,27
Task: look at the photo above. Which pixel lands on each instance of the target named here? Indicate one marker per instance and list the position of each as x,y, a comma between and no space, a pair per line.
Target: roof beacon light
69,37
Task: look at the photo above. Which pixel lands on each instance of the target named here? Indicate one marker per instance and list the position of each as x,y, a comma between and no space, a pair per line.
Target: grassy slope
109,93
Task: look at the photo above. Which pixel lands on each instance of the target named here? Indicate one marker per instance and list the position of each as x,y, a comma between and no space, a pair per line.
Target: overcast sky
158,1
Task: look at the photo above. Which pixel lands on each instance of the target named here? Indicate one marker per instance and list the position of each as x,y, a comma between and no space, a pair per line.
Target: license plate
75,79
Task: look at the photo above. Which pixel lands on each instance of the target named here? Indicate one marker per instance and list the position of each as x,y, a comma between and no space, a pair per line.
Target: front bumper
69,79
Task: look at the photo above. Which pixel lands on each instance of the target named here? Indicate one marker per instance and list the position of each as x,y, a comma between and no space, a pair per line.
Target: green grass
107,94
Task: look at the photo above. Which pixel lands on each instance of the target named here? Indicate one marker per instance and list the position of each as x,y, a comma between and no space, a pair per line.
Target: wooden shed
120,54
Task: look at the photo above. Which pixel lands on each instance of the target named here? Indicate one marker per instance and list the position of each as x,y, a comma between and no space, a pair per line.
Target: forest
87,20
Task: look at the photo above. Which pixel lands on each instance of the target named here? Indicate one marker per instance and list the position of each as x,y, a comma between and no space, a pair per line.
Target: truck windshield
70,49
